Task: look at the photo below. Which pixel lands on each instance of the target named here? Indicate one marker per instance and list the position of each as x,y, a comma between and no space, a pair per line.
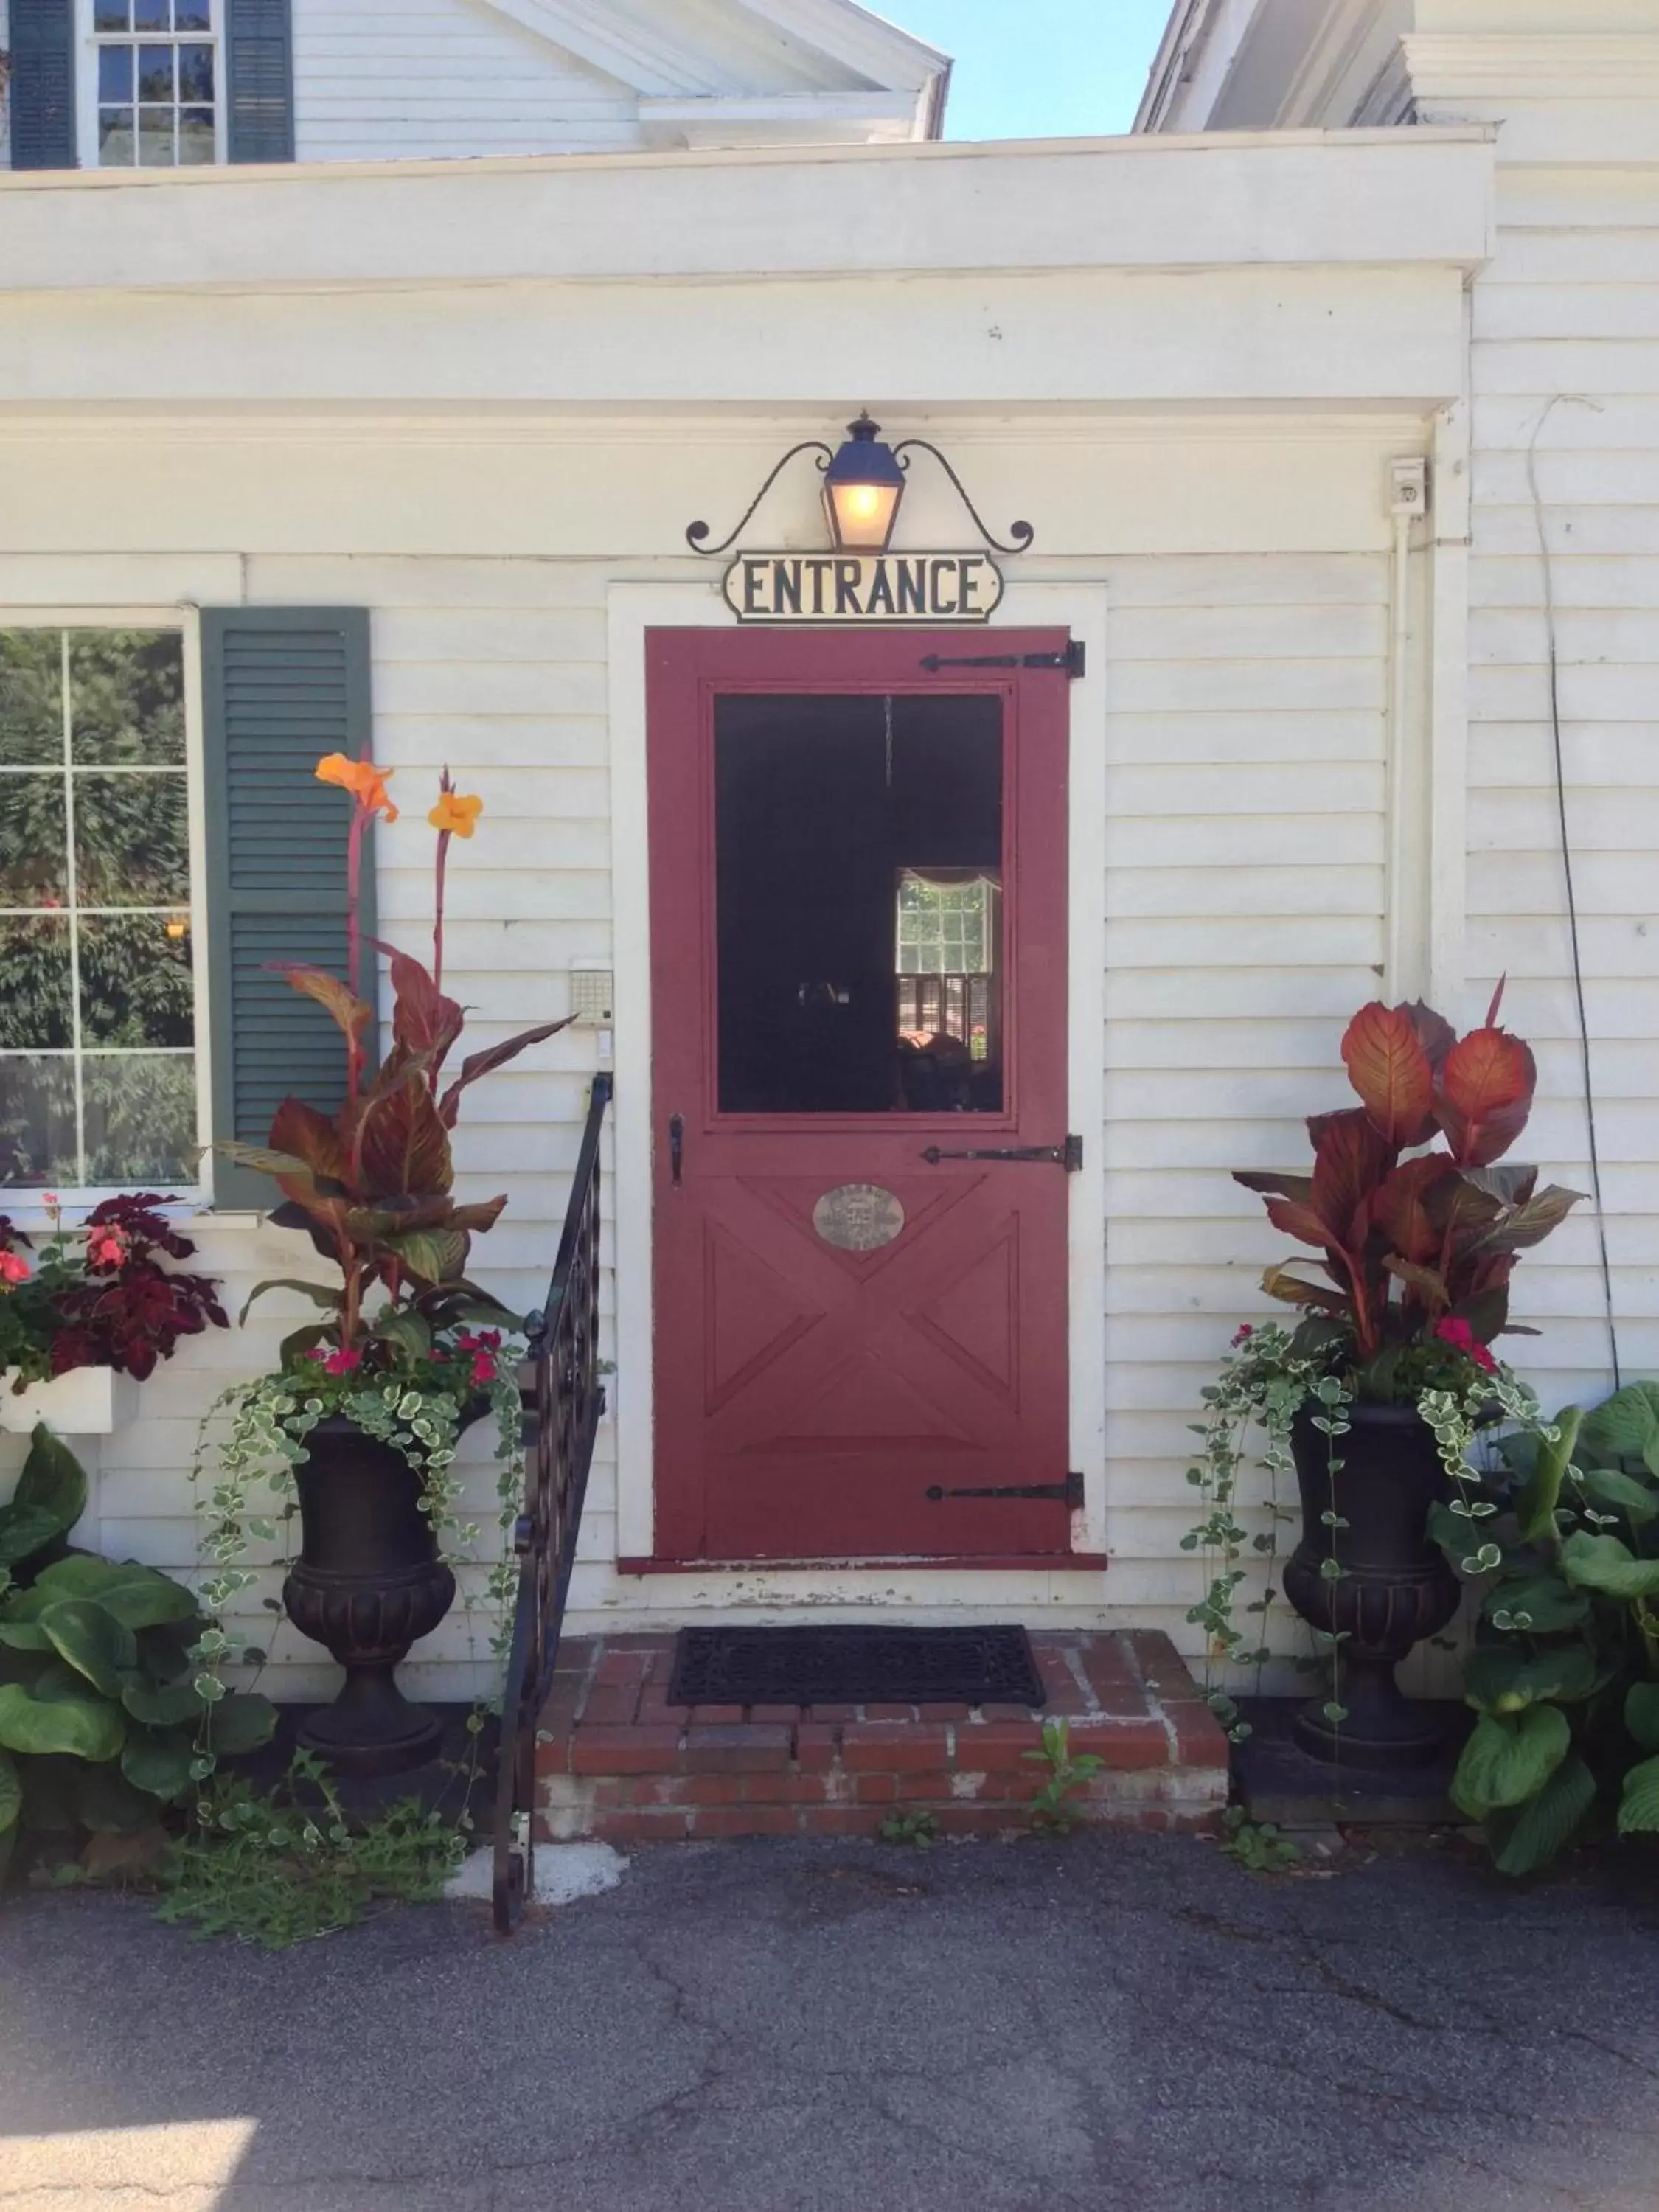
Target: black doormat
854,1666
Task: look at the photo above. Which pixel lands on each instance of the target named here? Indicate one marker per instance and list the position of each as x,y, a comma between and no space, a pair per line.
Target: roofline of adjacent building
1185,32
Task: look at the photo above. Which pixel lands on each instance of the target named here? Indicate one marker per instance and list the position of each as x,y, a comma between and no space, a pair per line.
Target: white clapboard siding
386,79
1566,359
1245,844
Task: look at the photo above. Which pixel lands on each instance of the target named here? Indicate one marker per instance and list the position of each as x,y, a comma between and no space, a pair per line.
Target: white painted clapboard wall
396,79
1566,335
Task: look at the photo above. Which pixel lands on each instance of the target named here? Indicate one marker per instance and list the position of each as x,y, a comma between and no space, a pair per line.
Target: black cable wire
1566,870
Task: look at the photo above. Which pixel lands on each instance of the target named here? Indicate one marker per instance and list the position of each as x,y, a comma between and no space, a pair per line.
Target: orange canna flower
365,782
456,813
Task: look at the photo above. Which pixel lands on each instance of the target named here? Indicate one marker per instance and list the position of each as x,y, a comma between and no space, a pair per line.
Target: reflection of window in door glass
824,804
947,954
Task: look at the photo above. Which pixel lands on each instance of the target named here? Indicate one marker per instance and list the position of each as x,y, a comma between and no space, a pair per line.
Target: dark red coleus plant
1411,1238
126,1310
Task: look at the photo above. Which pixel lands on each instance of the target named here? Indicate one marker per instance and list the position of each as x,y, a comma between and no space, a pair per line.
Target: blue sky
1038,69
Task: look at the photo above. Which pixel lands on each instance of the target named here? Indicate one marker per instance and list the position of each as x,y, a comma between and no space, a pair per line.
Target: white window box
87,1401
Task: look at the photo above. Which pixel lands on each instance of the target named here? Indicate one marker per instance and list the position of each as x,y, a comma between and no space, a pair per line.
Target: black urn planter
368,1581
1396,1587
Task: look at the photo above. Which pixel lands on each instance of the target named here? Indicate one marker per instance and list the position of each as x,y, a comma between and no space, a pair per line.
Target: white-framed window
153,96
100,965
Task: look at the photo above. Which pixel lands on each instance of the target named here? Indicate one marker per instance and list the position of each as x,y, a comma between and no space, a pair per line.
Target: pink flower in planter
13,1268
107,1247
342,1362
1456,1332
1243,1333
484,1368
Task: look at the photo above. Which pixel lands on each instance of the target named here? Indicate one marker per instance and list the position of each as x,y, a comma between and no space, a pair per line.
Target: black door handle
676,1148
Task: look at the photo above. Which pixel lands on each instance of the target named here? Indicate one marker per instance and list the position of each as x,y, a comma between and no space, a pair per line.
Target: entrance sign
869,587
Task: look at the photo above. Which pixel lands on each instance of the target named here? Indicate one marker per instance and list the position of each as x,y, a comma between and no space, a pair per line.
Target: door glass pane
859,903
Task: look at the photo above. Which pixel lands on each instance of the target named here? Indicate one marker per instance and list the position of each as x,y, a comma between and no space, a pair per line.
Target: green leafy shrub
279,1867
1564,1672
105,1720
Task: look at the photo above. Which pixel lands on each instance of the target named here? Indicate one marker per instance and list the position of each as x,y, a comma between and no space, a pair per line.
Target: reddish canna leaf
1352,1158
1530,1224
1485,1093
1434,1032
1511,1184
350,1012
1429,1287
1291,1290
311,1137
1390,1069
1301,1222
1487,1313
1459,1208
1404,1210
1270,1182
402,1147
496,1056
423,1020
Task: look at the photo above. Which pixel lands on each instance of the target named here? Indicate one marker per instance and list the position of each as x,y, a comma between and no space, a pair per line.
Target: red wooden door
858,922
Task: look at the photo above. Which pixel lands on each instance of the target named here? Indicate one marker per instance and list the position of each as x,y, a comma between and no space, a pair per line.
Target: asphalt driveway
1106,2022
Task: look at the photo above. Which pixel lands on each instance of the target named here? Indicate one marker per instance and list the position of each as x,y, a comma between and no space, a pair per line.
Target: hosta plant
1564,1672
105,1721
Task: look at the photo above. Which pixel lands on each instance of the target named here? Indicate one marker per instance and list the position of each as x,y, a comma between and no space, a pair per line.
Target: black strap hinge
1068,1155
1069,1493
1072,658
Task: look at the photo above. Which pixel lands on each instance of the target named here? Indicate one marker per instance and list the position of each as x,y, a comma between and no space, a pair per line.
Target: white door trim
632,609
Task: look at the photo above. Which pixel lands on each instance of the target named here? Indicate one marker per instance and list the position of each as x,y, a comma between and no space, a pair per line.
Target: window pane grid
157,83
97,1049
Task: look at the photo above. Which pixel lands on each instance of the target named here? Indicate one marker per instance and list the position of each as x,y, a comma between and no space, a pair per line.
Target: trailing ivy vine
1262,1387
1270,1375
419,1412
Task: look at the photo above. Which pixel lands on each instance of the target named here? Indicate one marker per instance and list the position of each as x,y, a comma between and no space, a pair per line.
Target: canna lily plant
1418,1226
1419,1223
373,1183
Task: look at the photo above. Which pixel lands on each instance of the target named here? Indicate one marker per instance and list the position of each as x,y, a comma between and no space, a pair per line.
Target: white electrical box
590,998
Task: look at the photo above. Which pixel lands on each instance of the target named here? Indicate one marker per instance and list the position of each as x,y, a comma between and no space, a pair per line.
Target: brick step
616,1761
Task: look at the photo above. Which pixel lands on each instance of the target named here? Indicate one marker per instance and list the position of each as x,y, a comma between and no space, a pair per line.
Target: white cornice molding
640,56
763,118
645,62
1184,34
888,56
1563,65
1327,58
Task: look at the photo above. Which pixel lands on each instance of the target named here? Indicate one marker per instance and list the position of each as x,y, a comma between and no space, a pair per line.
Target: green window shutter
282,686
43,84
259,80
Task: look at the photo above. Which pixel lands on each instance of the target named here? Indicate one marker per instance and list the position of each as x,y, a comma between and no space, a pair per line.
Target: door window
860,915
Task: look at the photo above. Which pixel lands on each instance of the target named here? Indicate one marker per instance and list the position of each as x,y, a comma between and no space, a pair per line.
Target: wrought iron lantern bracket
1020,534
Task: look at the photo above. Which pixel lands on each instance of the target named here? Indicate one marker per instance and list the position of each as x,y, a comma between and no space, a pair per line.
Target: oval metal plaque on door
858,1217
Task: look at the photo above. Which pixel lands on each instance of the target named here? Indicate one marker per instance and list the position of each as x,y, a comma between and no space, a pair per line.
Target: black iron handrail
566,1403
